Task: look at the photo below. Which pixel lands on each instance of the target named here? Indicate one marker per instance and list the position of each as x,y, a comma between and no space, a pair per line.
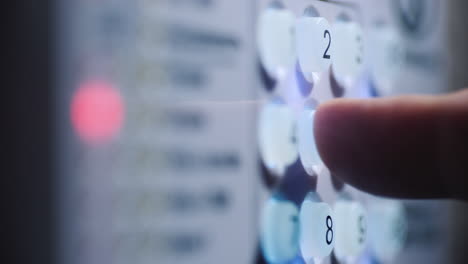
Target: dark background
26,182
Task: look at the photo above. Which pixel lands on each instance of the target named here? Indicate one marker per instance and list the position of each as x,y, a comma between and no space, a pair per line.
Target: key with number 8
316,238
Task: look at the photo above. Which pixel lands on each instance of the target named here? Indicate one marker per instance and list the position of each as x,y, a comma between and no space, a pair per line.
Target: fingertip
382,146
334,129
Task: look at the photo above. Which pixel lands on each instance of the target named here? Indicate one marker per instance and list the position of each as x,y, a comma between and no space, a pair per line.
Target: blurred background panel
157,140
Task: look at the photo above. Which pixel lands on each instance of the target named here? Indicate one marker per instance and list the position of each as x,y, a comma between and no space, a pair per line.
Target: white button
317,229
314,41
348,49
279,230
387,229
351,228
307,147
386,55
276,136
275,41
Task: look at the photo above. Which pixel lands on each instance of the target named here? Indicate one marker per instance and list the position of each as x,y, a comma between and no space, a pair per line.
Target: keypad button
348,50
386,57
317,230
306,144
277,137
351,228
387,229
314,42
279,230
275,40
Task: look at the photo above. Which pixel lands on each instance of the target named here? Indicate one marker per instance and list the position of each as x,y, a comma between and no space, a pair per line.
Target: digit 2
325,55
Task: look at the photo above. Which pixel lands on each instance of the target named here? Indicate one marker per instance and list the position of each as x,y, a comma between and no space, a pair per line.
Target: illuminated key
276,136
275,40
348,49
306,144
386,57
351,228
317,229
387,228
314,41
279,230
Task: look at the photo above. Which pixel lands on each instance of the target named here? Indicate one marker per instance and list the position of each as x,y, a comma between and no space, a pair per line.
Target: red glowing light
97,111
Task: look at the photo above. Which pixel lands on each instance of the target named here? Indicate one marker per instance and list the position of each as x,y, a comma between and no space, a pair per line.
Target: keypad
314,57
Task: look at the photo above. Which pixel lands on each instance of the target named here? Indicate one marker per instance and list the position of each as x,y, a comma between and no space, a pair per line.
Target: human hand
402,147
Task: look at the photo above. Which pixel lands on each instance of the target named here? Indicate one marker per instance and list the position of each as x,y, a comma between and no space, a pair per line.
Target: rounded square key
279,230
316,239
387,228
306,144
275,40
351,228
314,41
348,49
386,57
276,136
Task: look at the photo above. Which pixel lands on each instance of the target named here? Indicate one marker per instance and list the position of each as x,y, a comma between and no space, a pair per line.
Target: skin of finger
406,147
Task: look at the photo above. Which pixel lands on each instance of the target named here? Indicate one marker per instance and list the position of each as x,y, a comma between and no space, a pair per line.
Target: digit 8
329,233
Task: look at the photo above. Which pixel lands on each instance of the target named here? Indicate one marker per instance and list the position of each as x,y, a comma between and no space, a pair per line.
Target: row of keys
315,44
311,40
315,229
282,138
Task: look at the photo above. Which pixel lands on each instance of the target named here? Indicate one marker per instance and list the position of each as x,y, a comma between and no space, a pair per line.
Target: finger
405,147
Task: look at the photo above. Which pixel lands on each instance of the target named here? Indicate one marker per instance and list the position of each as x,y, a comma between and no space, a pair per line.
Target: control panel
184,129
310,52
